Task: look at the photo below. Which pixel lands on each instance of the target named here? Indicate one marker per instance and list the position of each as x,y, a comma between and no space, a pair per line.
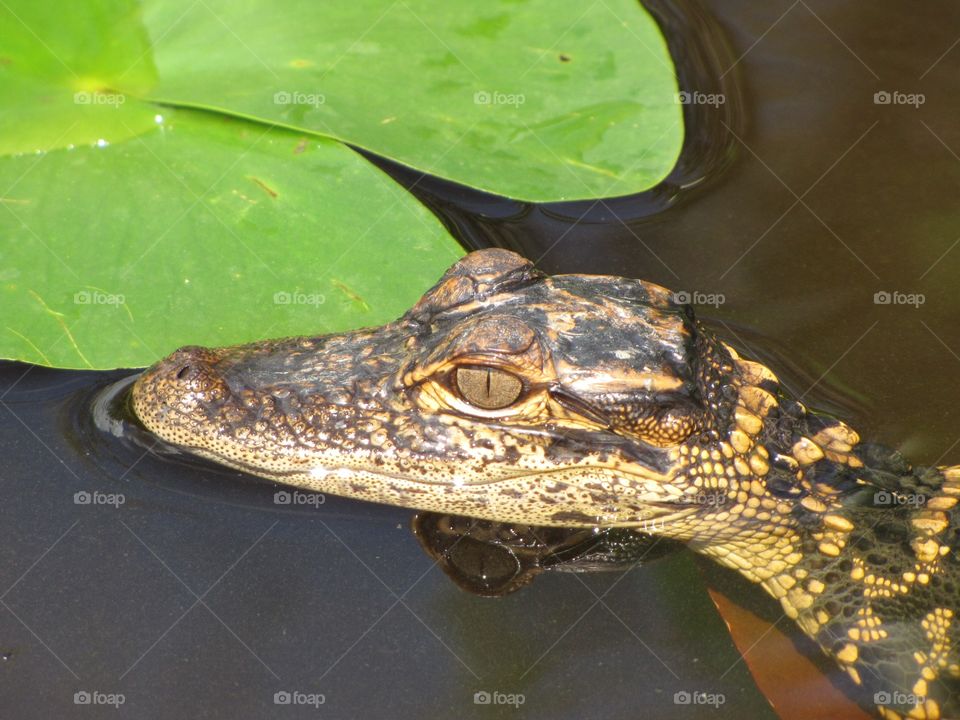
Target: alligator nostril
184,372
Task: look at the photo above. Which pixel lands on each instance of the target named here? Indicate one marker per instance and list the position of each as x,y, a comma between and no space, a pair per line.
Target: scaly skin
608,405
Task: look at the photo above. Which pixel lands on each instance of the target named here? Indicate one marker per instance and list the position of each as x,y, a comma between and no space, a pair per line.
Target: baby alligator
595,401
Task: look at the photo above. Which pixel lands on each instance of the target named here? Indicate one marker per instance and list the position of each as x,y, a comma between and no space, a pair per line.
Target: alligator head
502,394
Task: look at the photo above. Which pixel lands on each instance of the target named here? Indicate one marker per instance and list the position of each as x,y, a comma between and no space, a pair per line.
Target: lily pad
120,217
60,66
205,230
535,100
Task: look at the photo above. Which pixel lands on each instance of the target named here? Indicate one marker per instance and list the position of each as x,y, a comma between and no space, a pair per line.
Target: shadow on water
192,591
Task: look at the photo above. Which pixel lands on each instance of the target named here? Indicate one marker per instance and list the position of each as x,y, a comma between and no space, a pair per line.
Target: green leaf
533,99
205,230
112,242
60,65
120,218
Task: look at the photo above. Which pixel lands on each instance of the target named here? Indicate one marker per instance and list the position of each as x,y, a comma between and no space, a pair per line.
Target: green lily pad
205,230
60,67
130,228
536,100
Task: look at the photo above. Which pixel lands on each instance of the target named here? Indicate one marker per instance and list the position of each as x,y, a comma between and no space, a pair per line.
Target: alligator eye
488,388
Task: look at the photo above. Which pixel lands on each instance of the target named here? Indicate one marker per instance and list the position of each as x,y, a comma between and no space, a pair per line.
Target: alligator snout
188,363
183,381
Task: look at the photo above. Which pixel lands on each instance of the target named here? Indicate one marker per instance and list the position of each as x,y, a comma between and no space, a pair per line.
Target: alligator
600,402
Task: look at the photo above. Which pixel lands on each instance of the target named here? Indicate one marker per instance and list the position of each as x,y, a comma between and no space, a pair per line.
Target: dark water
797,199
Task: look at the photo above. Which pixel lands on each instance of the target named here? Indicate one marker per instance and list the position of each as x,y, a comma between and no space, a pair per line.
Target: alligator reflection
494,559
